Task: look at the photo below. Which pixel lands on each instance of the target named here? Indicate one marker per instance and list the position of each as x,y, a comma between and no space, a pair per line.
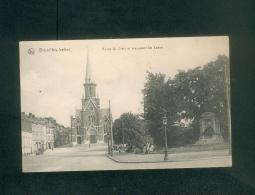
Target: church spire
88,77
89,85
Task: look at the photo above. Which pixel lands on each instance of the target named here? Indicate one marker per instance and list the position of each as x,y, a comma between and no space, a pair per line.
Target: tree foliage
61,137
191,92
128,128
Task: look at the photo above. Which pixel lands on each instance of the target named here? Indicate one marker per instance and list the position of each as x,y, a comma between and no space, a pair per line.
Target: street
83,158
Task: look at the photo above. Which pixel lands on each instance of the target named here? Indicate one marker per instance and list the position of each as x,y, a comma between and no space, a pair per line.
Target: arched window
91,120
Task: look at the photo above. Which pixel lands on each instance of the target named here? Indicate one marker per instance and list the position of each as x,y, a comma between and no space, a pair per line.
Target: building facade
90,123
50,127
26,135
39,136
42,133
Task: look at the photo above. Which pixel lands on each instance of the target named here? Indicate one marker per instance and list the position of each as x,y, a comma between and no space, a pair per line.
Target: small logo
31,51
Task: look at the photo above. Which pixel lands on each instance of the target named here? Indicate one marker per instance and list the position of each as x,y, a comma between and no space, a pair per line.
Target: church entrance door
93,139
78,140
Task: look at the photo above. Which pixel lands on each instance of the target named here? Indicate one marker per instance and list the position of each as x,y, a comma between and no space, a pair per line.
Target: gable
90,104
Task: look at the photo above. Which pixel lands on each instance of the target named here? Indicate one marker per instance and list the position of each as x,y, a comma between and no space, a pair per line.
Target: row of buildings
40,134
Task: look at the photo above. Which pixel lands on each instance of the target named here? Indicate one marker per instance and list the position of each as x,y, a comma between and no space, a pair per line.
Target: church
91,123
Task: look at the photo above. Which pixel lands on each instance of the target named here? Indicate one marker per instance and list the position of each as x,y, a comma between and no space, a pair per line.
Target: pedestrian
147,148
151,148
119,148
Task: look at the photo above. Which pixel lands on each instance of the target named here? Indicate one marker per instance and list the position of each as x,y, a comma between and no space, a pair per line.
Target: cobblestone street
82,158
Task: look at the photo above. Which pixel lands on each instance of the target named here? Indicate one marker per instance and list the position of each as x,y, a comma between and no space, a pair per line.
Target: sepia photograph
125,104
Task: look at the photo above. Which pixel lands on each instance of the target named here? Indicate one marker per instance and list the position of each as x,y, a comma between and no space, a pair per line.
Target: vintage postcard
121,104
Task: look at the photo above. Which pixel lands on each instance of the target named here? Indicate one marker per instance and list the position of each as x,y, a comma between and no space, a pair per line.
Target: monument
210,132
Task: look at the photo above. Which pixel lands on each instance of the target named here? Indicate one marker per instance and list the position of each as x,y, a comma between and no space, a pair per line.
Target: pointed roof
91,101
88,77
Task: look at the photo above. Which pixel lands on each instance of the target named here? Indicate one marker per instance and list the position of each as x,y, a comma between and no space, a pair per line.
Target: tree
204,90
128,128
155,104
198,90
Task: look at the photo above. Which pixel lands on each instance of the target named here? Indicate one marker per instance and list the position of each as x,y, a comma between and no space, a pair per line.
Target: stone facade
90,123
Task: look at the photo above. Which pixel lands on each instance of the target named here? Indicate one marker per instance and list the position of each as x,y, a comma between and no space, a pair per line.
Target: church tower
90,113
90,124
89,87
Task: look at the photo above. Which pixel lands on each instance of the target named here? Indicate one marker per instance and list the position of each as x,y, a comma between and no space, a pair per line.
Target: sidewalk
79,148
57,151
172,157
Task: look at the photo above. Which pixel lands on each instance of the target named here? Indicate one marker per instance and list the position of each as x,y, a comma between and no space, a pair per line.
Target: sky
53,74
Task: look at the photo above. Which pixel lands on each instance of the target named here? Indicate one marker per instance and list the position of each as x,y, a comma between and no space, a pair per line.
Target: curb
118,161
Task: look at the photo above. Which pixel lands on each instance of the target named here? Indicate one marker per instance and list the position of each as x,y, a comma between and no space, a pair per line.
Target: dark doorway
78,140
93,139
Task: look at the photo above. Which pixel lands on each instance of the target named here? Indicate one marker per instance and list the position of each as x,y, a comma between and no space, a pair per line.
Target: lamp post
110,117
165,152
